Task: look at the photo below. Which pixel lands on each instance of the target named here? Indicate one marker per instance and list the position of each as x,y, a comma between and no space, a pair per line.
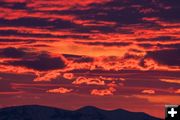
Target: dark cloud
42,62
78,58
108,12
148,82
175,46
76,36
38,22
44,23
18,6
38,35
106,43
171,13
84,59
14,5
167,57
71,56
94,29
18,33
146,45
121,13
41,45
2,40
11,52
130,56
5,86
124,13
160,46
160,38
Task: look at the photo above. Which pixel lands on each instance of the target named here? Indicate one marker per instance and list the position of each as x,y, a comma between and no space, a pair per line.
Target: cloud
119,44
15,69
47,76
162,99
14,5
177,81
103,92
158,38
38,22
68,76
166,57
15,40
171,46
88,81
177,91
112,78
38,34
60,90
84,59
148,91
12,52
11,93
120,13
42,62
159,46
107,45
71,56
170,14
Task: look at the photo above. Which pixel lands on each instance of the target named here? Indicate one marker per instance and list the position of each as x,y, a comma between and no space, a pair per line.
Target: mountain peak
89,108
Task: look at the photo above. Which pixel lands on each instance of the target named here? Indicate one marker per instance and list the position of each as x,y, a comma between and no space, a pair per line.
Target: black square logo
172,112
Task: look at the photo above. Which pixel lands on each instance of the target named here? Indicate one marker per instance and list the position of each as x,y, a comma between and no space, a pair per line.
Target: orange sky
123,51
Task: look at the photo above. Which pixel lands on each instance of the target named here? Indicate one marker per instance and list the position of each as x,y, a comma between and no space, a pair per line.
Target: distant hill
36,112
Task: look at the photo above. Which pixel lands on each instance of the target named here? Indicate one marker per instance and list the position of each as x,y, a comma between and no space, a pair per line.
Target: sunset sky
105,53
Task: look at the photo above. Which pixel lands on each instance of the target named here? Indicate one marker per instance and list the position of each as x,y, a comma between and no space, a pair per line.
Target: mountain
36,112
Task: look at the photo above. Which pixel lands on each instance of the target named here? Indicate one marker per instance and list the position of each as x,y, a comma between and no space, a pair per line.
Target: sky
106,53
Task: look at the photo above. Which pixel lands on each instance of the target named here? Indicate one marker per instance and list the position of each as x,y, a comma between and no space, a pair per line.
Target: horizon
106,53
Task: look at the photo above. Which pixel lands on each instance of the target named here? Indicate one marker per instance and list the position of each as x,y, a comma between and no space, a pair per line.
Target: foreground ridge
37,112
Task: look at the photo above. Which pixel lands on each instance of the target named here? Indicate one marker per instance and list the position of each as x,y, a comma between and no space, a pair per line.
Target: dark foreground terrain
35,112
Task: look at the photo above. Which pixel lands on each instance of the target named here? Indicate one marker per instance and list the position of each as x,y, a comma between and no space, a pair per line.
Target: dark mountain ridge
36,112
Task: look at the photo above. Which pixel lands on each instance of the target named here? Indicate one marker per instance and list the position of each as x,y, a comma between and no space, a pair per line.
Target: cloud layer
126,51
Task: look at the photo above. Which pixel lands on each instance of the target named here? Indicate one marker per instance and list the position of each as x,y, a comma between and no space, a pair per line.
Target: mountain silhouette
36,112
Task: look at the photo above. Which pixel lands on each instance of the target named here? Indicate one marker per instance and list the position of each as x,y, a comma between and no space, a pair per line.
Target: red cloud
170,81
148,91
60,90
103,92
177,91
47,76
11,93
88,81
68,76
112,78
